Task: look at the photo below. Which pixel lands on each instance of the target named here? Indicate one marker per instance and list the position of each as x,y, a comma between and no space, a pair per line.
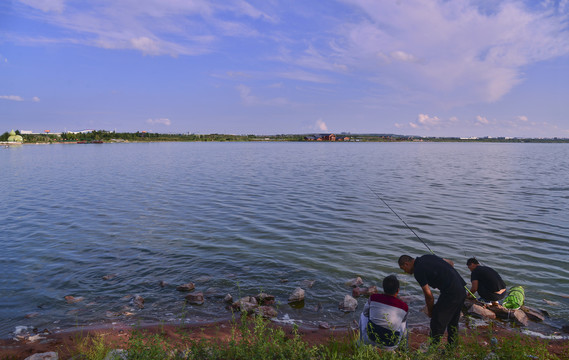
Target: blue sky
421,67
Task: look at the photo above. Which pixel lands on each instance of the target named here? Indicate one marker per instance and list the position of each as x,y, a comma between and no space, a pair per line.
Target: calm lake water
241,218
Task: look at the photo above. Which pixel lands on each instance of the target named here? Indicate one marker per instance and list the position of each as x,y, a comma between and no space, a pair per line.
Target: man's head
407,263
391,285
472,263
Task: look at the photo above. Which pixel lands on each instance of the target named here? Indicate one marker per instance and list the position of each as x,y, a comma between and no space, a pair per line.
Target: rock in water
72,300
195,298
348,304
265,299
532,314
318,307
297,295
266,311
247,304
307,283
186,287
109,276
355,282
358,291
137,301
363,291
203,279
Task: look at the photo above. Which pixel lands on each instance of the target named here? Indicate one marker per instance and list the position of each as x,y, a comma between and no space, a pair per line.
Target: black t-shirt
434,271
488,278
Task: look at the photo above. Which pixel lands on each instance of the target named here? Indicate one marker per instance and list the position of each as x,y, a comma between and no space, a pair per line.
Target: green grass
254,338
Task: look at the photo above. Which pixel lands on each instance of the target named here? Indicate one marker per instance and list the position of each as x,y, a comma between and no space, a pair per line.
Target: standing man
433,271
486,281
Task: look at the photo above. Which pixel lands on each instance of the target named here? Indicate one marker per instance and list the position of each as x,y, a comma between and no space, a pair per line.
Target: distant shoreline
480,141
105,136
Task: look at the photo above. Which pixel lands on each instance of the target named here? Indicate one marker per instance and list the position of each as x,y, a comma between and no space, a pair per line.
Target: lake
242,218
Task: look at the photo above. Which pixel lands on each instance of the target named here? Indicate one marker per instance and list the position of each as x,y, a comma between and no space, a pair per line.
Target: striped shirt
387,315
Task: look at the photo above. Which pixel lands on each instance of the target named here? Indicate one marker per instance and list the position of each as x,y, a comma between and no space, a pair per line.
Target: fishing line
403,221
413,231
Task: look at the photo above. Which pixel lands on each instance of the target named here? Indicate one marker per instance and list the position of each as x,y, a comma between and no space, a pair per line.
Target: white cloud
249,99
145,45
161,121
452,51
403,56
522,118
246,97
482,120
154,27
305,76
321,125
427,120
11,97
36,99
46,5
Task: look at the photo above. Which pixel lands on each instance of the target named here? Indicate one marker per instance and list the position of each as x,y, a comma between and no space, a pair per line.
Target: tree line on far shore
110,136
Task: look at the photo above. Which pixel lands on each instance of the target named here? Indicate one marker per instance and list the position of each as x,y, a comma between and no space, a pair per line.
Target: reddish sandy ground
65,343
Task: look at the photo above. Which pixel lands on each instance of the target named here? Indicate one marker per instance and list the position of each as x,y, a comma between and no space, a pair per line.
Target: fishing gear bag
515,298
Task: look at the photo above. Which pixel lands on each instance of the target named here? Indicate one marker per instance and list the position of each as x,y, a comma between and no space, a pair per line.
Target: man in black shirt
486,281
436,272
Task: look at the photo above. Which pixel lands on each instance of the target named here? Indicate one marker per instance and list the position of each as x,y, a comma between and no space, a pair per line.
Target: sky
414,67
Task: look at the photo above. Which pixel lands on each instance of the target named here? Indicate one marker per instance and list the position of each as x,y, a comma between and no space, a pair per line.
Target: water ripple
245,217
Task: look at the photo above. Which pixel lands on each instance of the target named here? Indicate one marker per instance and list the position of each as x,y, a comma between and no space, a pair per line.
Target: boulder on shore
480,311
43,356
520,317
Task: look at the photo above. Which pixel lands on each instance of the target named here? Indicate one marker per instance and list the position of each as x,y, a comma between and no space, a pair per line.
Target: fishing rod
413,231
403,221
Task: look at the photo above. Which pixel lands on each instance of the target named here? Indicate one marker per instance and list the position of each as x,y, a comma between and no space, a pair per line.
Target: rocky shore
28,341
65,344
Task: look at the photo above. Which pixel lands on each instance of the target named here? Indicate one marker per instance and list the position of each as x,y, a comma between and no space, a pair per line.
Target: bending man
486,281
433,271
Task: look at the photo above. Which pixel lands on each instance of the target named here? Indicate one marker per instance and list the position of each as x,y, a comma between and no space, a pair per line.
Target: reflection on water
242,218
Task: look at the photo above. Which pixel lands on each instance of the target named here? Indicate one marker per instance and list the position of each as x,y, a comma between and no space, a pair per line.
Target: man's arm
429,300
474,287
366,308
